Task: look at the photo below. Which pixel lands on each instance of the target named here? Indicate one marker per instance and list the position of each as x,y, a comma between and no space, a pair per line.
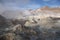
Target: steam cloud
12,8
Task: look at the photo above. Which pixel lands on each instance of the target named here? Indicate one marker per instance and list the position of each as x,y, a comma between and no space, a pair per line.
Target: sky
28,4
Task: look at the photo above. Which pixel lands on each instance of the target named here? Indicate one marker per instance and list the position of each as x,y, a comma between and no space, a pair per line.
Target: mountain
47,11
3,23
57,10
2,20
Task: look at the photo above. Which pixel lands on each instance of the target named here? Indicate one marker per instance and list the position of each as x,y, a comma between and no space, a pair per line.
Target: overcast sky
28,4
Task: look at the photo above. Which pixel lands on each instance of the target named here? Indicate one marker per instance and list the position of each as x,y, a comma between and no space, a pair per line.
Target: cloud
46,0
33,6
15,2
12,8
56,6
12,4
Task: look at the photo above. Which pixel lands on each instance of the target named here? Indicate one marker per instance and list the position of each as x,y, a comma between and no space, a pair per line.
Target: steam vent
29,19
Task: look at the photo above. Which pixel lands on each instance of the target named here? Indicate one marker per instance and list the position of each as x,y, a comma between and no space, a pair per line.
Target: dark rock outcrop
3,22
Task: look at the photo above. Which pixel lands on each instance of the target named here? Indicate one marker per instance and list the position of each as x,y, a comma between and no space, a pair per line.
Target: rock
20,21
8,36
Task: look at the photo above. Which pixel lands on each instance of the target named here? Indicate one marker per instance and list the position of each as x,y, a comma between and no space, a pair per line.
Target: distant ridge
55,9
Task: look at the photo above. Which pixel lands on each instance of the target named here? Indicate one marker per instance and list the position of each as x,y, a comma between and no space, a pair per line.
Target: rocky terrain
40,24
